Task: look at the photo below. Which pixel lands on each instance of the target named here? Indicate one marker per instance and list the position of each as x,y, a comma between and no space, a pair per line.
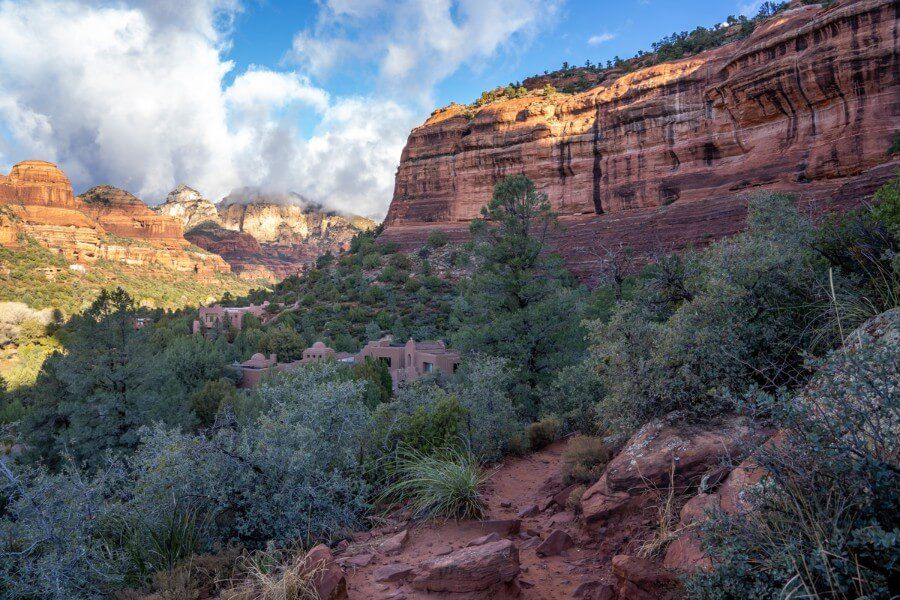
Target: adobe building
223,317
406,362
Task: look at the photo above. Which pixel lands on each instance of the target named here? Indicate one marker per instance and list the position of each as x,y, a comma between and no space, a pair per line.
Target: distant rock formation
262,235
188,206
665,156
36,200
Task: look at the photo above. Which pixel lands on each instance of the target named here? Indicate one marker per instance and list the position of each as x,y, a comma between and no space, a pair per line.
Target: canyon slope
263,236
667,156
106,223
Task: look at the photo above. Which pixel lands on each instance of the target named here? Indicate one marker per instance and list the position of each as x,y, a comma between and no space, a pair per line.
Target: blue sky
265,29
315,97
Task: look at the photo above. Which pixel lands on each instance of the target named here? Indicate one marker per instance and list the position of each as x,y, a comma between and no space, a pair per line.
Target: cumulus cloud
415,44
596,40
135,93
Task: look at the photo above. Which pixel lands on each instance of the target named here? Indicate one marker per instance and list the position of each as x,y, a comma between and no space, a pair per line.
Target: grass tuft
447,483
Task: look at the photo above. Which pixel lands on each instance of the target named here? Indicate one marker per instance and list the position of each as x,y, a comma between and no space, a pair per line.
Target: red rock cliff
36,200
664,156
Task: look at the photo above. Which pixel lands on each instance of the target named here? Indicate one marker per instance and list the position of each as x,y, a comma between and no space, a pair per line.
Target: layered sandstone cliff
106,223
666,156
267,236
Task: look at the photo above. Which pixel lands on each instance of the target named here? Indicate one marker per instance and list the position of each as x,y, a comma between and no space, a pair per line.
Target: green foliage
112,380
825,522
284,342
424,418
520,304
490,417
446,483
584,459
379,385
437,238
572,397
706,324
543,433
149,548
42,279
289,471
212,398
52,533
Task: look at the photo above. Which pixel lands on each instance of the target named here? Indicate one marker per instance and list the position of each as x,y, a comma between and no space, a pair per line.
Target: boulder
560,497
528,511
647,461
641,579
328,577
395,543
391,573
595,590
485,539
470,570
556,543
650,455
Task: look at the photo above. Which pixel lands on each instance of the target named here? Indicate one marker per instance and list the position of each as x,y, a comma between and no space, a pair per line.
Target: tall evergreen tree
521,303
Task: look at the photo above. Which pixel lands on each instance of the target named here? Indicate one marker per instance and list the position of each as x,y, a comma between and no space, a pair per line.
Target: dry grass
584,459
266,579
667,518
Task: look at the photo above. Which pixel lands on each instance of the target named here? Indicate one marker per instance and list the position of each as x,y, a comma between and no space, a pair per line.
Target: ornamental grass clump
448,483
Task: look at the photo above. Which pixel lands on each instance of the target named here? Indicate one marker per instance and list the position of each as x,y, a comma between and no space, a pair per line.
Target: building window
427,367
455,367
386,360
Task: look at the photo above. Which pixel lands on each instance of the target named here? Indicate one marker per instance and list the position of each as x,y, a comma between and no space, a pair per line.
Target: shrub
584,460
266,578
437,238
442,484
291,469
482,385
703,325
825,521
572,397
149,548
51,533
543,433
215,395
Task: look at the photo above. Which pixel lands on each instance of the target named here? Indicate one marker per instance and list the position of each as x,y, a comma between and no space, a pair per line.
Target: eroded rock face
121,213
188,206
106,223
469,570
662,452
665,156
290,236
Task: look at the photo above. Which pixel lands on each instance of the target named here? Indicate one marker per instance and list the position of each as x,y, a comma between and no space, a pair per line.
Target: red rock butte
667,156
38,201
36,182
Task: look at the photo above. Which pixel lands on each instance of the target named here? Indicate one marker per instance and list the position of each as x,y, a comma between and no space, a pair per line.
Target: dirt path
518,484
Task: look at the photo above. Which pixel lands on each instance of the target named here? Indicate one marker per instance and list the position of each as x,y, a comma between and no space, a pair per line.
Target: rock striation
272,236
36,200
666,156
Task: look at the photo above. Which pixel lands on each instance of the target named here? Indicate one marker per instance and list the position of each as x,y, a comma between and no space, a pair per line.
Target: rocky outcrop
485,568
663,453
188,206
666,156
105,223
123,214
291,232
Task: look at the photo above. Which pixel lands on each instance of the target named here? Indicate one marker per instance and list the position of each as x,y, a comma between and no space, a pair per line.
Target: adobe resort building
406,362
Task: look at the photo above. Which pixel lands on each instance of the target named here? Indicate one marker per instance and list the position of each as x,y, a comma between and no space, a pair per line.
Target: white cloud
134,93
596,40
415,44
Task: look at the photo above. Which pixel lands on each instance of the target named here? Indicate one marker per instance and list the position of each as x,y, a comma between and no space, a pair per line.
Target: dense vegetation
141,457
42,279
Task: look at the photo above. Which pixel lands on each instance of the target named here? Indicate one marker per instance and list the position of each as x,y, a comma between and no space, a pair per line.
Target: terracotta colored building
406,362
227,316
